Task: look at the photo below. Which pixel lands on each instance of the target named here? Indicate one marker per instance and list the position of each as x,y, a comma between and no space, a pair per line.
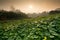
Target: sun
30,7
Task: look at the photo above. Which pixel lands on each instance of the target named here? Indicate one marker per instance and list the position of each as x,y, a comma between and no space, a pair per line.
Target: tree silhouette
12,8
56,11
12,15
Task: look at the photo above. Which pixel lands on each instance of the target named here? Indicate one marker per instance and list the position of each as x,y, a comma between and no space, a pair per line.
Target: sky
30,6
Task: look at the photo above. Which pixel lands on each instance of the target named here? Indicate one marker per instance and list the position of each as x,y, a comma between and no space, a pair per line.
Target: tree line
17,14
11,15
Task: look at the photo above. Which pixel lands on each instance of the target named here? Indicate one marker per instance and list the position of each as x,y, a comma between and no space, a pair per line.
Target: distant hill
56,11
17,14
11,15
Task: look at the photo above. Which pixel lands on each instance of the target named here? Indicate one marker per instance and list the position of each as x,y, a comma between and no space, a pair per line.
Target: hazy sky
30,6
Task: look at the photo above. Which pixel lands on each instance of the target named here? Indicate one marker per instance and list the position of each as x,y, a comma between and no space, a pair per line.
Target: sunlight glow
30,7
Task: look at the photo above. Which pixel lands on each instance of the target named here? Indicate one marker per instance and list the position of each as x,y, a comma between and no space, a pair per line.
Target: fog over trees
17,14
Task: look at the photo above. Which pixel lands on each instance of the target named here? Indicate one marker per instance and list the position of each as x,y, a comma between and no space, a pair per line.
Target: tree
56,11
12,15
12,8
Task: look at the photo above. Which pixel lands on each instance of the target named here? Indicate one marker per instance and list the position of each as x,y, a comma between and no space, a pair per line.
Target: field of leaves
42,28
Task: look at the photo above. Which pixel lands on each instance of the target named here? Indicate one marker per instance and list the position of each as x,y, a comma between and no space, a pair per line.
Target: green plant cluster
47,28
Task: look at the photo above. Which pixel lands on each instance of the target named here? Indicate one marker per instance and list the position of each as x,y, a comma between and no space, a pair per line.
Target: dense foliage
54,12
42,28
